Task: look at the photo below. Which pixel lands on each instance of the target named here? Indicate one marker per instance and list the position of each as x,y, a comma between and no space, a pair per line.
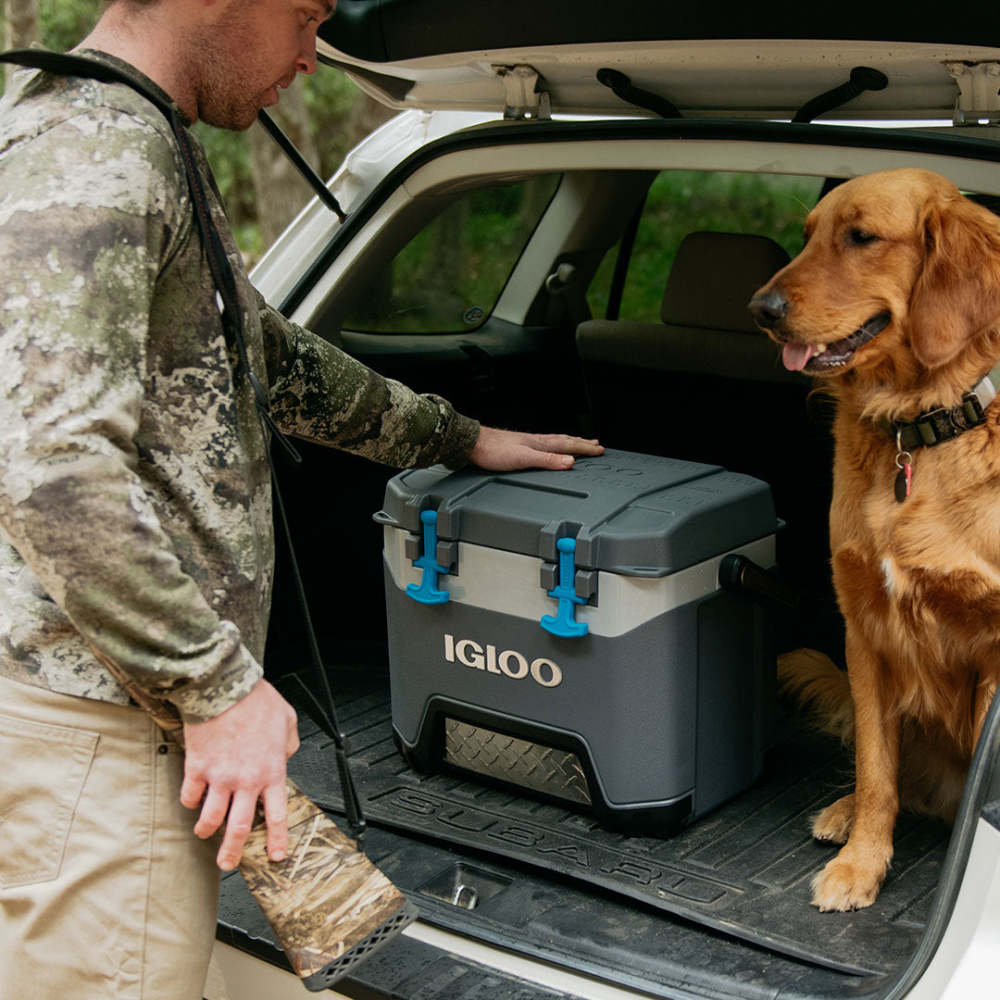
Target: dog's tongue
796,356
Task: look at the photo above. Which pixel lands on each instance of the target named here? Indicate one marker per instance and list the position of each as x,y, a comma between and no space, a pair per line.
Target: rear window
448,278
685,201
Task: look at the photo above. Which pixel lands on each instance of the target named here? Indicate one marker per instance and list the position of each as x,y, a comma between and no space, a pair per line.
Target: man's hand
235,759
504,451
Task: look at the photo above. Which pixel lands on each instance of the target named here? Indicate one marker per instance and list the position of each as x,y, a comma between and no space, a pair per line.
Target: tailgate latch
978,101
525,96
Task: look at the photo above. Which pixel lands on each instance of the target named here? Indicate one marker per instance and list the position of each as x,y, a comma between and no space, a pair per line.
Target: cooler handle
741,575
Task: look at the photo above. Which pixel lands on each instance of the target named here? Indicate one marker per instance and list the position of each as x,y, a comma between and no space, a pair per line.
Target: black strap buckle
972,409
943,424
935,426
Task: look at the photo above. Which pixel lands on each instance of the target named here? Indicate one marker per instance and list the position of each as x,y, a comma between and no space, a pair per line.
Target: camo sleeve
80,261
322,394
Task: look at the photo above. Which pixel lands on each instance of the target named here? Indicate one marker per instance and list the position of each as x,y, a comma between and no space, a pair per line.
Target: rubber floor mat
743,870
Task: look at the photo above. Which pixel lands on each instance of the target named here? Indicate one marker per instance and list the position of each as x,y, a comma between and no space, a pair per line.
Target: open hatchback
561,231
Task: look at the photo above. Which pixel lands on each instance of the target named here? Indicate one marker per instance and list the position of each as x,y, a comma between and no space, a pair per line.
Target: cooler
567,633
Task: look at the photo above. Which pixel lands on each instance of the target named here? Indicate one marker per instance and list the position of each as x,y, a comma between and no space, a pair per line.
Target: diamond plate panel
530,765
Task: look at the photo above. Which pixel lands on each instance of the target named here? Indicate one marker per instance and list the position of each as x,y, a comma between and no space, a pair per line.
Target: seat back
706,327
707,385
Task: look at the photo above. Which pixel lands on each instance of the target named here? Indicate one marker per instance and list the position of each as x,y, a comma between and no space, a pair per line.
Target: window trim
399,182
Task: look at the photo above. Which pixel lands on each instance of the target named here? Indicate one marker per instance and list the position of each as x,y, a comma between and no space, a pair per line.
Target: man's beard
225,97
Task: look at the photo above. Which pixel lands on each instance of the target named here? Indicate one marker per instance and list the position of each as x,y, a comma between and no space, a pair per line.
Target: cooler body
591,657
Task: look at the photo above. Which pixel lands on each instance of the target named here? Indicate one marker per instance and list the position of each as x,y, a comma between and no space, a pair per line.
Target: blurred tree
325,116
366,116
65,22
20,26
280,189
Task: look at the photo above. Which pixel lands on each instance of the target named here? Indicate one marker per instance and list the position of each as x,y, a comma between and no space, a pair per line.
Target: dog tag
904,478
904,462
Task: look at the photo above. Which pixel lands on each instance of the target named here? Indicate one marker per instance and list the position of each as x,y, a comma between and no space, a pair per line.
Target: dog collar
944,423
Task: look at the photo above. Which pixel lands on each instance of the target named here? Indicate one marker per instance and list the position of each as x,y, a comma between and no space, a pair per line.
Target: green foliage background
685,201
448,277
450,274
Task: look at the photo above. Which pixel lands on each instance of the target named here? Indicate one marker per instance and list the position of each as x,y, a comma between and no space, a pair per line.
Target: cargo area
717,904
721,907
718,908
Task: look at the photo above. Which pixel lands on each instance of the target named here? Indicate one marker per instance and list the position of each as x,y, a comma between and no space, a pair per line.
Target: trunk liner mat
743,870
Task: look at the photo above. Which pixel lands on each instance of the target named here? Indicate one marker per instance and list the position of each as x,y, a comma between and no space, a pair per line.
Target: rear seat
708,386
706,326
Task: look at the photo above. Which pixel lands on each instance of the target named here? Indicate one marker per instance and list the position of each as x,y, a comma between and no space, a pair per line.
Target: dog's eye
861,237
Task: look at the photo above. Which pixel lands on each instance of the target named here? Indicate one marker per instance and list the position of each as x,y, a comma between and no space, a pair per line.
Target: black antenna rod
301,164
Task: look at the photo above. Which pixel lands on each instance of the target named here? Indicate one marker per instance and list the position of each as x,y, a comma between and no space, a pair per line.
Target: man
135,505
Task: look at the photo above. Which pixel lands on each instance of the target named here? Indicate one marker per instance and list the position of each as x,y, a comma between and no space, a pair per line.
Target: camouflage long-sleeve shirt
135,507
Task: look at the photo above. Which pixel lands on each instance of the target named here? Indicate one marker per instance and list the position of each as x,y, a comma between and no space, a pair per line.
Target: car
560,231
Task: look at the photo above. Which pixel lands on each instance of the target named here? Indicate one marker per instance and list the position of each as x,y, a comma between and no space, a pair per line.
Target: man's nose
306,61
769,307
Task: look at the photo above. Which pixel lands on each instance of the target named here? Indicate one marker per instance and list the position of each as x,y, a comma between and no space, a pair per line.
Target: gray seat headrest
713,278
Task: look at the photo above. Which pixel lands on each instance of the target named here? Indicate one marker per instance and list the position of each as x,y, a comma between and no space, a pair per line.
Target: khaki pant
104,890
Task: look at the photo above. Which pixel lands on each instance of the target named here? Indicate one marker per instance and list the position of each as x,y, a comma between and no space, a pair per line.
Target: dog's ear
958,291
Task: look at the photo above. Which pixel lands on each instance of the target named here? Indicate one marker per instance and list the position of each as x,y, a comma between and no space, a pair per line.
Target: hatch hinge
525,96
978,97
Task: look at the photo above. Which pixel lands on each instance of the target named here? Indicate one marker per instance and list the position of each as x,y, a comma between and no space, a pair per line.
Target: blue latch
427,592
564,622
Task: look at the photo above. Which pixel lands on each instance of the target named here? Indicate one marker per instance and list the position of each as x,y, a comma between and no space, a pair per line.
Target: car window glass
449,276
686,201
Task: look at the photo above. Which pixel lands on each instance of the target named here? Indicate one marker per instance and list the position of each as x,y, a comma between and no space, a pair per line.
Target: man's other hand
504,451
236,759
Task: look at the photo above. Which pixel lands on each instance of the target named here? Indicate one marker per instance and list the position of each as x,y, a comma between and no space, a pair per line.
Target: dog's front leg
852,879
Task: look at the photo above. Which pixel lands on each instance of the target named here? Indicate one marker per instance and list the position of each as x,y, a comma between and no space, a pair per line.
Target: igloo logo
508,662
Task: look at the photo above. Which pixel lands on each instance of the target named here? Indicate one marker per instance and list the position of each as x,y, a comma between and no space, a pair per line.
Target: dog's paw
833,824
847,884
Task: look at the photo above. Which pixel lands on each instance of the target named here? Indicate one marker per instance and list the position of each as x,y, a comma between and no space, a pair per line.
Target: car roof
724,59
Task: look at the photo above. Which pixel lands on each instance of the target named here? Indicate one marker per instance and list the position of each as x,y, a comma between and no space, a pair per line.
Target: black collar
944,423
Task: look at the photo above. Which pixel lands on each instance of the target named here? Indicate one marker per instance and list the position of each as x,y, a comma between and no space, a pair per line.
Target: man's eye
861,237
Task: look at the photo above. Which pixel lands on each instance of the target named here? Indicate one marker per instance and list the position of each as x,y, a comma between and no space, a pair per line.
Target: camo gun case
566,632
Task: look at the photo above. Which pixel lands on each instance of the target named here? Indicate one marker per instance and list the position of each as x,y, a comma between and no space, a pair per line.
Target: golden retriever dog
894,307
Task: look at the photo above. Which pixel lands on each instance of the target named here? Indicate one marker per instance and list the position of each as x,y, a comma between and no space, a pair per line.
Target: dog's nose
769,308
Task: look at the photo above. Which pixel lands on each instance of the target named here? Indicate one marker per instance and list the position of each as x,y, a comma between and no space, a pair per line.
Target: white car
519,240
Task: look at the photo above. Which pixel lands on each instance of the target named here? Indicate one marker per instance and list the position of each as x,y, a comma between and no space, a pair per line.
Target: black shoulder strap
70,65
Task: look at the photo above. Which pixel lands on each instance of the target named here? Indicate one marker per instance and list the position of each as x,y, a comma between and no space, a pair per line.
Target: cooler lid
637,515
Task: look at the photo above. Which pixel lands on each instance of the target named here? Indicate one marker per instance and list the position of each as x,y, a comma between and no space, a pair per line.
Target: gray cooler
566,632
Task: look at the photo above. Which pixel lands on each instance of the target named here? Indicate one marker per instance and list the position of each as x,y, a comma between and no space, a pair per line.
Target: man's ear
958,291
